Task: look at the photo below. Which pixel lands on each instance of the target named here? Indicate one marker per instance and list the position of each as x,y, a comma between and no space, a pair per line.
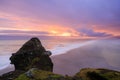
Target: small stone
48,53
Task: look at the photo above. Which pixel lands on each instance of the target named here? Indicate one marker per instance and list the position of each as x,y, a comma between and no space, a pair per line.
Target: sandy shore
7,69
94,55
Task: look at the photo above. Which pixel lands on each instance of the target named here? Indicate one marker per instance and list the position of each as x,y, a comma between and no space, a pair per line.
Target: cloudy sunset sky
81,18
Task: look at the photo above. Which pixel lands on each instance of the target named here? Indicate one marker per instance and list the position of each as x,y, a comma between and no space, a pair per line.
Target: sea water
56,46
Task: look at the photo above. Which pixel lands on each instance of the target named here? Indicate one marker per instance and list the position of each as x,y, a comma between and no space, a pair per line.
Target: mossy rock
97,74
39,75
32,54
84,74
11,75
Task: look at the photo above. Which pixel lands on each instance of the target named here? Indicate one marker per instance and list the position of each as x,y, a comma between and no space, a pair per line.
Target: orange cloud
29,24
59,31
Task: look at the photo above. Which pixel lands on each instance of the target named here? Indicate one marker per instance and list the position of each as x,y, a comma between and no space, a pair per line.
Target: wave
4,61
61,49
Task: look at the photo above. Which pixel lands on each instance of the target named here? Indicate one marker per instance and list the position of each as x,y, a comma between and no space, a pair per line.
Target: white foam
61,50
4,61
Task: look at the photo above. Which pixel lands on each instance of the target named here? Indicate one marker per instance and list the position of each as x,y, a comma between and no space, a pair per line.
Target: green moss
35,60
111,75
84,74
40,75
97,74
23,77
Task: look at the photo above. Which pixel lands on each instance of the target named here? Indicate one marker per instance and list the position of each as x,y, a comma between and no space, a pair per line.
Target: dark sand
98,54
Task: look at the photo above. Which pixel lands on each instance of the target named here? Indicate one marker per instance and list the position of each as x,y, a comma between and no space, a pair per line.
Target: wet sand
7,69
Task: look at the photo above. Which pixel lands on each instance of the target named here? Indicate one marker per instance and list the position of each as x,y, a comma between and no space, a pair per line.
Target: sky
75,18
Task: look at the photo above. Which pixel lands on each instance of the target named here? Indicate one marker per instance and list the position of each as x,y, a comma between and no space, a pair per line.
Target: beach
95,54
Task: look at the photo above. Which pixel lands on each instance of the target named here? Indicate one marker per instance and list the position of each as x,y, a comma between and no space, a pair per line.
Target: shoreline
6,69
63,50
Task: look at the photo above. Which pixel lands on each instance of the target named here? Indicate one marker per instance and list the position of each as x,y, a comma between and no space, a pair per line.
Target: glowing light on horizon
56,33
66,34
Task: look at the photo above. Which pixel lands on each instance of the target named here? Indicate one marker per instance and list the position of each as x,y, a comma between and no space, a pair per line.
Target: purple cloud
24,32
91,33
68,13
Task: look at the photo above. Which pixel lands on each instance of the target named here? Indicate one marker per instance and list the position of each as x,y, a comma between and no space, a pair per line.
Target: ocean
56,46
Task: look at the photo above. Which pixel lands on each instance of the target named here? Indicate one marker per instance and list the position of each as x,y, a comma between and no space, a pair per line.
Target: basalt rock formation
32,55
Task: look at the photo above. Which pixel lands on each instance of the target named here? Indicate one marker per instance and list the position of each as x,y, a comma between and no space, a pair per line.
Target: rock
32,55
97,74
36,74
47,53
30,73
11,75
84,74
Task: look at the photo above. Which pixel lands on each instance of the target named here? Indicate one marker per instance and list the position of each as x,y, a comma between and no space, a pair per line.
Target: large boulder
32,55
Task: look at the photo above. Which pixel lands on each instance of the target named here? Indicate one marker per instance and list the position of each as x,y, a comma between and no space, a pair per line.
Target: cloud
19,32
62,17
110,29
91,33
